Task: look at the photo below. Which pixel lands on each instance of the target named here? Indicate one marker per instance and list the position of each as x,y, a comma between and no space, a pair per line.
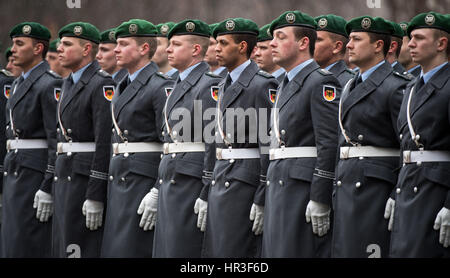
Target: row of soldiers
356,159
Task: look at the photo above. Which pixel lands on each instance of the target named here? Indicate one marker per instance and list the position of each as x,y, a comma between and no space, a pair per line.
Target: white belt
77,147
138,147
241,153
26,144
292,152
426,156
183,147
367,151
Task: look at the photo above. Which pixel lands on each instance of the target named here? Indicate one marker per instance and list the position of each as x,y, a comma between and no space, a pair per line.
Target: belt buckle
406,156
345,152
59,147
166,148
219,154
115,148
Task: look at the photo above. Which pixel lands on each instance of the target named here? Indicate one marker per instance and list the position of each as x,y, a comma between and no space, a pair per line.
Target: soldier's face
285,47
425,45
15,70
324,48
405,56
23,51
228,51
128,52
106,57
160,57
70,52
180,52
263,56
360,49
210,56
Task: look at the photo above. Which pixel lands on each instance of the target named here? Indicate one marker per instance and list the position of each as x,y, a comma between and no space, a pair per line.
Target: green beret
236,26
164,28
81,30
429,20
404,26
398,31
264,33
108,36
136,28
331,23
190,27
369,24
32,30
293,18
211,27
53,45
8,53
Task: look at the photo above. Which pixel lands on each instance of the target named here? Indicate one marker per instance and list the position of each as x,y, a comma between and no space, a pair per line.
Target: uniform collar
25,75
413,69
293,72
278,72
236,73
427,76
219,70
330,66
136,73
367,73
171,72
77,75
186,72
394,63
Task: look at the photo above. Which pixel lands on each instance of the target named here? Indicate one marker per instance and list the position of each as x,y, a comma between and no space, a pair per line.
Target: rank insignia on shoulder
164,76
210,73
7,91
215,92
265,74
325,72
329,93
168,91
103,73
57,93
272,95
108,92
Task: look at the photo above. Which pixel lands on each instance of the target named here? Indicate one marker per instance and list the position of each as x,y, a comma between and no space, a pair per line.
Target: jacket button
360,137
113,130
398,190
69,131
216,133
227,184
213,182
172,181
58,130
122,179
339,183
268,183
16,174
161,156
16,151
174,155
160,181
401,136
125,131
358,185
5,173
229,135
419,163
231,161
69,154
163,133
417,137
280,182
174,133
7,127
55,178
283,132
270,132
415,189
69,178
361,157
126,155
18,130
111,178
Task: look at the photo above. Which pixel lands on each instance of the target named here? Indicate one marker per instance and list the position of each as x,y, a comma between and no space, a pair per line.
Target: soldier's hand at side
319,214
43,202
148,209
442,222
201,208
257,216
93,210
389,212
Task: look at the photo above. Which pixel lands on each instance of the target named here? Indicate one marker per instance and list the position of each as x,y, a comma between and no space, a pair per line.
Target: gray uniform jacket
342,73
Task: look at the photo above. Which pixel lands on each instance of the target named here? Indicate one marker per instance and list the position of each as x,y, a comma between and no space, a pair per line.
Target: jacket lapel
235,89
338,68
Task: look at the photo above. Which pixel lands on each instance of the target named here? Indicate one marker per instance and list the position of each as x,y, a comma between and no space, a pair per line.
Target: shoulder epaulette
324,72
104,73
6,72
406,75
210,73
350,71
164,76
54,74
265,74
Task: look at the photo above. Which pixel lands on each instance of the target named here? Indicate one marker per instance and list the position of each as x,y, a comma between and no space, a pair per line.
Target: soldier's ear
442,44
303,44
243,47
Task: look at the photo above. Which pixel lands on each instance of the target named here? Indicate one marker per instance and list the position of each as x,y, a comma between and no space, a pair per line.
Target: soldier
263,54
421,210
368,144
53,61
14,70
185,170
395,48
84,143
30,161
107,58
236,196
160,57
137,118
303,145
330,47
210,56
404,57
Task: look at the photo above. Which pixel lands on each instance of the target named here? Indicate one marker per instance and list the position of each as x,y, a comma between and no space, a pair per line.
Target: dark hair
249,39
336,37
152,43
311,34
381,37
44,43
400,43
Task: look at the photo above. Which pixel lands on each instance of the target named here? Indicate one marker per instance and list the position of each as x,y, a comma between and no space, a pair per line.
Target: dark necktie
19,81
227,82
420,84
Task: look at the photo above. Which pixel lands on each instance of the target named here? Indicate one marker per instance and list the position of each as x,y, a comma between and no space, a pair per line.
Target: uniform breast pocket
378,172
245,175
299,172
143,168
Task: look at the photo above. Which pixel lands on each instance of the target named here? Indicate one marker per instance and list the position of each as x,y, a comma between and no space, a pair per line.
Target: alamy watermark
373,4
72,4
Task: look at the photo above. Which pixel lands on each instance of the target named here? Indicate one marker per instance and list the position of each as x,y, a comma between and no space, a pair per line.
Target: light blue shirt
367,73
135,74
114,74
278,72
394,63
25,75
238,70
187,71
219,70
77,75
413,69
330,66
171,72
298,68
427,76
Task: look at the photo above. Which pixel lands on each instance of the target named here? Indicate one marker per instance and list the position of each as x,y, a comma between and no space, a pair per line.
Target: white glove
43,202
320,215
443,222
148,208
93,210
257,216
389,212
201,208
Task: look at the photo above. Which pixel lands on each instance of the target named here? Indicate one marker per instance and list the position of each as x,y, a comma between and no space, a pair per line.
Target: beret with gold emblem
293,18
8,53
332,23
398,30
82,30
54,45
264,33
190,27
404,26
429,20
369,24
236,26
30,29
164,28
108,36
136,28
